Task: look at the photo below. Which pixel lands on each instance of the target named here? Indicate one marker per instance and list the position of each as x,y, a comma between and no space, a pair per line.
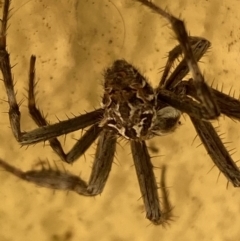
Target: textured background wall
74,41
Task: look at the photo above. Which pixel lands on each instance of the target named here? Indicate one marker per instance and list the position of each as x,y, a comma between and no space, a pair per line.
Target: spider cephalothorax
131,104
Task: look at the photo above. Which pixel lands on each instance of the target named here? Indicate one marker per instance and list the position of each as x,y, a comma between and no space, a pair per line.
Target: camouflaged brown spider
133,109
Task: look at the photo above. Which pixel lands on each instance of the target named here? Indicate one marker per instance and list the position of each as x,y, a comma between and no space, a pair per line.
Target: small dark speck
67,236
225,71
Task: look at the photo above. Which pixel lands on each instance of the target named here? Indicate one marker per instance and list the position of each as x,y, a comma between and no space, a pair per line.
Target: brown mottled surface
74,41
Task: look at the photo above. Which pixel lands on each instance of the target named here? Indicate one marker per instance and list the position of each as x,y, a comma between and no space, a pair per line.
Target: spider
132,109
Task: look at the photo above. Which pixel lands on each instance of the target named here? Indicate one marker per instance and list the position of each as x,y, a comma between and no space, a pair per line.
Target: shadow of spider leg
58,180
148,185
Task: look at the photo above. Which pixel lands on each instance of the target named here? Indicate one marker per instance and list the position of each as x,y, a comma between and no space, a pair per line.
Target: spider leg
83,143
203,91
102,164
210,139
217,150
36,114
182,102
64,127
55,179
228,105
147,183
80,147
199,47
45,132
172,56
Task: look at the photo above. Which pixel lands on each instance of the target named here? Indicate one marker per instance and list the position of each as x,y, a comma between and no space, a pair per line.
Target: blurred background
74,42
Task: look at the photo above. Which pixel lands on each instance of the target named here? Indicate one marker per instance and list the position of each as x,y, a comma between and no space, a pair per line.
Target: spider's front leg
210,107
210,102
